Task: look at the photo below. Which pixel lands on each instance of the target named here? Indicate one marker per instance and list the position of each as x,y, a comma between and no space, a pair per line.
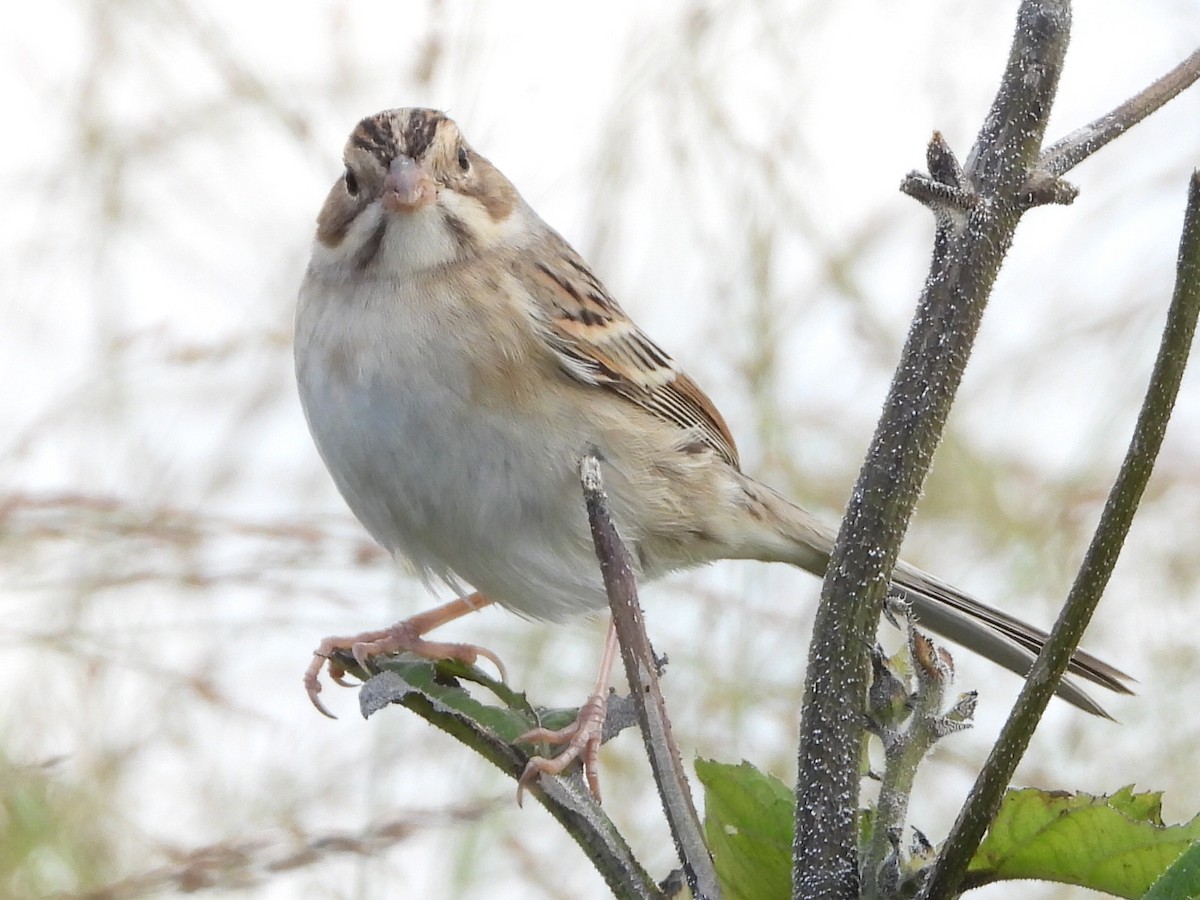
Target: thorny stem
1098,563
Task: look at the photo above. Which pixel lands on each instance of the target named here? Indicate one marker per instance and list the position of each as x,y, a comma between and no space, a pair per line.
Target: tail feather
999,637
795,536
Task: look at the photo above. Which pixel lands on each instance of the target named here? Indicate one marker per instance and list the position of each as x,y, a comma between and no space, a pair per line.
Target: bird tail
1004,639
800,539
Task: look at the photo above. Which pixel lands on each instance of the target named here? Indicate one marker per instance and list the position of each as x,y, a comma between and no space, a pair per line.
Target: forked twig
970,244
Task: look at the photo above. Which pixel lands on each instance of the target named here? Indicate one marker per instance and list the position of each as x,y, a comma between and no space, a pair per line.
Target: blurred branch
984,799
243,863
240,76
61,515
641,669
969,246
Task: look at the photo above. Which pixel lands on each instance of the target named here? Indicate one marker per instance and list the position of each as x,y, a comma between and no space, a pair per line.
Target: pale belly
489,499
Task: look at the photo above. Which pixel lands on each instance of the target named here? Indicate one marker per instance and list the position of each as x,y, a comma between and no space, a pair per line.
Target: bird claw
312,680
401,637
582,739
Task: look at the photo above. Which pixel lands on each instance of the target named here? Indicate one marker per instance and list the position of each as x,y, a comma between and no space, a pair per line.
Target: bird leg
582,737
403,636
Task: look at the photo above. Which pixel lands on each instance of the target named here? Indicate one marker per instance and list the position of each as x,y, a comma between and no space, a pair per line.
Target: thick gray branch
967,255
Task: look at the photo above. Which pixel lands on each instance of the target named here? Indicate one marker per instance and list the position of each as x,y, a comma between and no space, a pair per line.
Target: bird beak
406,187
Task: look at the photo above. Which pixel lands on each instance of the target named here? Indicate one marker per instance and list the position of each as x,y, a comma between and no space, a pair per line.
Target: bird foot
582,739
402,637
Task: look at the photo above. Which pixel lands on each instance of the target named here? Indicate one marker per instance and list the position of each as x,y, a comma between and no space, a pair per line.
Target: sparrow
456,359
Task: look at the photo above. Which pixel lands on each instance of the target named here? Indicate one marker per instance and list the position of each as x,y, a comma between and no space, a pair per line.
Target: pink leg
582,736
403,636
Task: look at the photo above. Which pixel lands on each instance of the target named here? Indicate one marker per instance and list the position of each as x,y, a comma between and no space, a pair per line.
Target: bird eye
351,183
464,162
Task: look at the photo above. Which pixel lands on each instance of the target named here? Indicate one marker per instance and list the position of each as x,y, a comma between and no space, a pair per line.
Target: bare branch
1064,155
968,251
642,671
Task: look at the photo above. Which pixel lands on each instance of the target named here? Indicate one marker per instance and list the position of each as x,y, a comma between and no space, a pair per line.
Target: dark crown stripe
419,131
374,138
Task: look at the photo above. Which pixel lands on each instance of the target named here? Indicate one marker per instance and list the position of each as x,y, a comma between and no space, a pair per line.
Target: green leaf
1116,844
748,822
1181,881
435,691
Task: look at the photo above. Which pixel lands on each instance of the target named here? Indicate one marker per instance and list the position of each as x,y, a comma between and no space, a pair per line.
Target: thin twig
1098,564
642,672
1063,155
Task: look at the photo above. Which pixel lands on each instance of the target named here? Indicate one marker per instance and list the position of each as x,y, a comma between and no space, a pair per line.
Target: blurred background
171,548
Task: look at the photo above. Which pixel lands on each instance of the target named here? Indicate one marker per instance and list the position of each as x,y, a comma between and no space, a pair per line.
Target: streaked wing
597,343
